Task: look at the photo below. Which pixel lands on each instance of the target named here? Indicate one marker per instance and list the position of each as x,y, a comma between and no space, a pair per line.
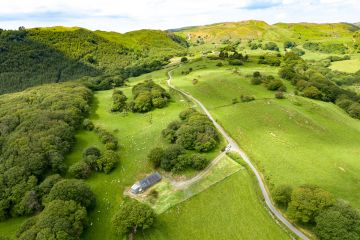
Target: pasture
292,141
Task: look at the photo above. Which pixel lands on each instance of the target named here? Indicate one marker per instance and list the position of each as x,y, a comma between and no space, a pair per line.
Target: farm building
145,183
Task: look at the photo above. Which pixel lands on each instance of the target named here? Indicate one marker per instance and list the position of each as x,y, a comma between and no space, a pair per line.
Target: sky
127,15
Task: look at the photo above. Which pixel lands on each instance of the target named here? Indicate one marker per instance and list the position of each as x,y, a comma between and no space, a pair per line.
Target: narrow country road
234,147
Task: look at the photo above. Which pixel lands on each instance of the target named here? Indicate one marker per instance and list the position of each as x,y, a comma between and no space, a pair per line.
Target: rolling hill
56,54
260,30
288,111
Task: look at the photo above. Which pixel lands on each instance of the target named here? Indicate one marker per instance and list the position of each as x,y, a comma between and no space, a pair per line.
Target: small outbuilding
145,183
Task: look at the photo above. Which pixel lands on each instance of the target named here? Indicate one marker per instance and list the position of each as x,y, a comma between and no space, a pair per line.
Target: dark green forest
30,57
37,129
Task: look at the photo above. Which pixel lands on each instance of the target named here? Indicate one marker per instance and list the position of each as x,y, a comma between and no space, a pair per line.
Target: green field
169,196
137,134
349,66
292,141
137,137
229,210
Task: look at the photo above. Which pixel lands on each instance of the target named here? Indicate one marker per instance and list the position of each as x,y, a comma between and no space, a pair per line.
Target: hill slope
254,29
56,54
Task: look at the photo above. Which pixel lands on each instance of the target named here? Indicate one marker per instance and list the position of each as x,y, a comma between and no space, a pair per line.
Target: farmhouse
145,183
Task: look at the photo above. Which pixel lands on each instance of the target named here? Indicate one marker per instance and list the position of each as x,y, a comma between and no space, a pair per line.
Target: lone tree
131,217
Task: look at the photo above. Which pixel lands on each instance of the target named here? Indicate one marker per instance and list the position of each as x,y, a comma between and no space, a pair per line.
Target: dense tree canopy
119,101
43,55
271,46
37,129
148,95
338,48
60,220
339,222
316,81
73,189
307,202
108,161
80,170
194,132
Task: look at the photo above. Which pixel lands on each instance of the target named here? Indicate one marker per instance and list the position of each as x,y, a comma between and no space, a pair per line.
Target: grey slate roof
150,180
145,183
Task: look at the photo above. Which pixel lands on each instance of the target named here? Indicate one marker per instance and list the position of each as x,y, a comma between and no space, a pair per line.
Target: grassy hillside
261,30
293,141
138,134
228,210
42,55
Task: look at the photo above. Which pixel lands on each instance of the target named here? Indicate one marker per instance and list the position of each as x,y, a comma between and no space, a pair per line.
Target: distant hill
30,57
254,29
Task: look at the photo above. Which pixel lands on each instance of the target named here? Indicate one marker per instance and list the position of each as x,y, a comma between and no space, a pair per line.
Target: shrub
246,98
282,195
354,110
274,85
110,141
48,183
80,170
235,62
298,51
269,60
271,46
90,157
344,103
94,151
159,102
279,95
175,159
186,113
256,74
170,156
119,101
256,78
198,162
71,189
289,44
169,135
313,92
184,59
108,161
156,156
204,142
87,124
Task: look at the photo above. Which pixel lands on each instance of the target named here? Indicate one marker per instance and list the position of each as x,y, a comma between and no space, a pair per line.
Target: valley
120,106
